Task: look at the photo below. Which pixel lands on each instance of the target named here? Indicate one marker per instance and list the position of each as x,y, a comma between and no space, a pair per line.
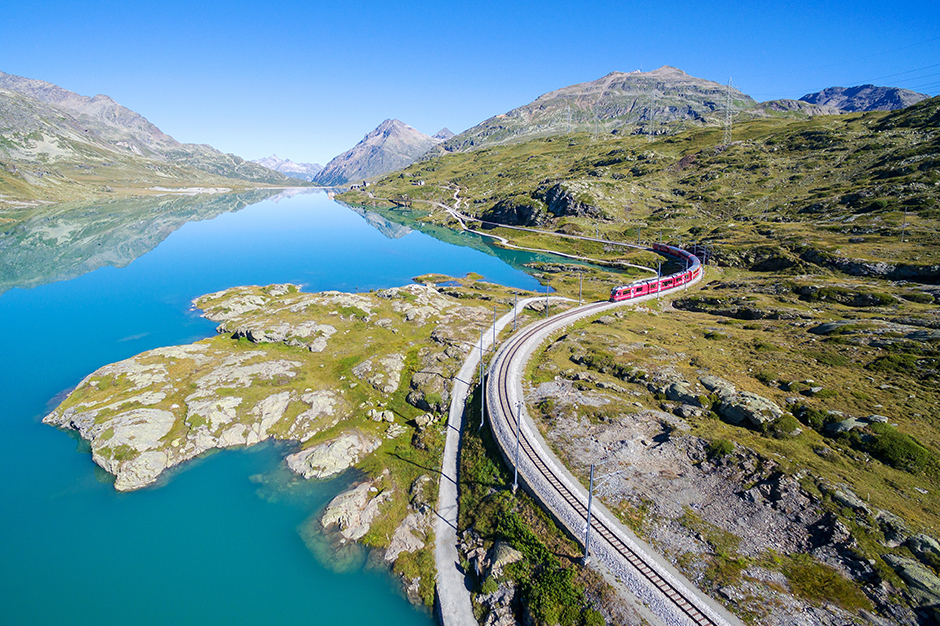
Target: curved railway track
661,591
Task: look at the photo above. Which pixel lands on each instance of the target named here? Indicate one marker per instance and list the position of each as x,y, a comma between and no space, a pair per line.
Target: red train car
663,283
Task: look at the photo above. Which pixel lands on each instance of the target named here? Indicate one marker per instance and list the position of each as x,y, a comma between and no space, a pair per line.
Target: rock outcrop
332,457
740,407
354,510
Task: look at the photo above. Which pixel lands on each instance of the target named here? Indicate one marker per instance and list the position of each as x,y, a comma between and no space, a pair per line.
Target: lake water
219,543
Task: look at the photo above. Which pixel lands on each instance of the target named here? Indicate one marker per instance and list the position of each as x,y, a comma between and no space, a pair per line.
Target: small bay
217,542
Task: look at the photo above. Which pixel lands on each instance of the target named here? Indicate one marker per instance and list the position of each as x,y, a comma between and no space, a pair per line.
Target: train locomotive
691,273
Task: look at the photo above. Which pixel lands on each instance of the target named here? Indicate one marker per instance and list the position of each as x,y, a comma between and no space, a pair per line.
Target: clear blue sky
308,79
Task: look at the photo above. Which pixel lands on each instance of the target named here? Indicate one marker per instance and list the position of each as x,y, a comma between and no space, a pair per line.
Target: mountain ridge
865,98
632,102
54,138
301,171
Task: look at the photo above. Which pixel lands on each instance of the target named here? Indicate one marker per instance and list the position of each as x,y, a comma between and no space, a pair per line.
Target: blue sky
307,79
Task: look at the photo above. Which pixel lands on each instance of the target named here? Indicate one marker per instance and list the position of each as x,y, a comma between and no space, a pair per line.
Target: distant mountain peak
865,98
443,134
301,171
391,146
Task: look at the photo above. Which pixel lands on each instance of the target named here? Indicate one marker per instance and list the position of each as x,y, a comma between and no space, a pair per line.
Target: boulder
681,391
925,548
847,498
748,407
844,426
382,373
501,555
332,457
421,493
893,527
719,386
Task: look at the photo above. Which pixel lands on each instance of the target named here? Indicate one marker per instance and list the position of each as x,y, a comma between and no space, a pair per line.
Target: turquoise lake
218,543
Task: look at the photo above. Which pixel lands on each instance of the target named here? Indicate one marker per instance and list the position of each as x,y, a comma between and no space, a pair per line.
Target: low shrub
899,450
719,448
893,363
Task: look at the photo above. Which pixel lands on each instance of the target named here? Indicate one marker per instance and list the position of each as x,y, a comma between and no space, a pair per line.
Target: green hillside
781,194
822,297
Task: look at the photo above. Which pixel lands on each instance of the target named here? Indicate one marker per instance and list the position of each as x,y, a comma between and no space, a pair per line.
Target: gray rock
381,416
681,391
922,582
410,536
332,457
384,374
749,407
925,548
893,527
845,425
687,411
353,511
425,420
717,385
421,492
877,419
846,497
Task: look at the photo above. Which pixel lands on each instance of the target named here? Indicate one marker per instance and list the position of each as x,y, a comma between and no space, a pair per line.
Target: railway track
542,474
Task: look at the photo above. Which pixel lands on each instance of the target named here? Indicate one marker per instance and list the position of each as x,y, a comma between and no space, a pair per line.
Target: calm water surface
219,542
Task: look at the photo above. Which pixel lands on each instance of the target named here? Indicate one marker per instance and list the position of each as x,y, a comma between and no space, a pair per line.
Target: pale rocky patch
353,511
410,536
332,457
382,373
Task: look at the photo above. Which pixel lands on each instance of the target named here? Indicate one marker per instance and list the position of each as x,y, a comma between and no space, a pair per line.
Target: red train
690,274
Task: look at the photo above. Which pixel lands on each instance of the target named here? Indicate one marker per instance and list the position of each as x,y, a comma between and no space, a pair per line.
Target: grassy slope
783,207
816,183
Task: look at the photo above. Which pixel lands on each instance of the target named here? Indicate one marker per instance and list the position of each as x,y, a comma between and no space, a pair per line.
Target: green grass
821,584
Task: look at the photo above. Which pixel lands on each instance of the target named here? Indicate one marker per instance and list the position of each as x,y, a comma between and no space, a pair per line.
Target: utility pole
482,385
580,283
515,477
514,305
587,528
729,115
659,276
494,327
904,225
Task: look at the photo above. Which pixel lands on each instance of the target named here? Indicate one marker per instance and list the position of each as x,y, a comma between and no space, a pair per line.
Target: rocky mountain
865,98
443,134
634,102
53,138
302,171
391,146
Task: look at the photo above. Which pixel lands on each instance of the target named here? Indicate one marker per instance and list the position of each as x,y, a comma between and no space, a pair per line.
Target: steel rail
534,469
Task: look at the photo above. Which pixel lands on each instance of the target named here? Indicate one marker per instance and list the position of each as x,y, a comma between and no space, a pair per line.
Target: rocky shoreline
351,379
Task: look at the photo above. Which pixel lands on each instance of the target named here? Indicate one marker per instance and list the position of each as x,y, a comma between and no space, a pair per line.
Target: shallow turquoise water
219,542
